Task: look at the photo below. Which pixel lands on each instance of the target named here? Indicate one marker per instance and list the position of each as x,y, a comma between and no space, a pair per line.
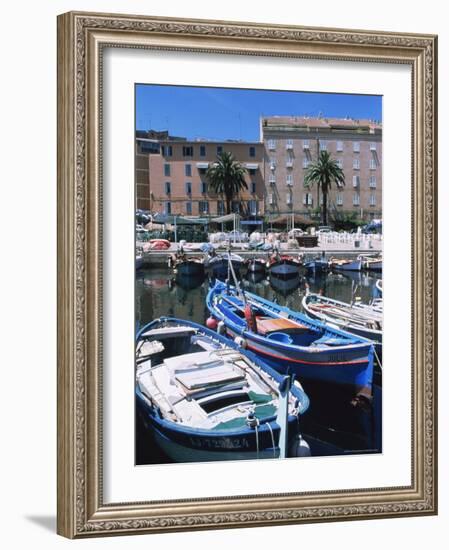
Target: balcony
306,145
272,166
289,146
372,147
289,164
272,180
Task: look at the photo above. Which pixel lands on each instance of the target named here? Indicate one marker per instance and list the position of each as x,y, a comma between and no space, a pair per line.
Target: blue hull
351,363
189,268
284,270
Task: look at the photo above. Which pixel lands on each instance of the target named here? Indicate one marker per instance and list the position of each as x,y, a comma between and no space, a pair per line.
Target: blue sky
226,113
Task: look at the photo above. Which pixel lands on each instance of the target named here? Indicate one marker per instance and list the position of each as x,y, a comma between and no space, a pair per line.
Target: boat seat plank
266,325
209,376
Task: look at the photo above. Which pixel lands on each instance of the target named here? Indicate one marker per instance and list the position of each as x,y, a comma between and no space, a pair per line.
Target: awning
202,165
226,218
251,166
251,222
299,220
179,220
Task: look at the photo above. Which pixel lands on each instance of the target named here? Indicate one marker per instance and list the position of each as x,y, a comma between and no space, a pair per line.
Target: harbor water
332,425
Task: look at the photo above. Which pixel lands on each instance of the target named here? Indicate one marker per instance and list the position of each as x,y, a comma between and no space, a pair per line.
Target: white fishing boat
360,319
371,263
204,398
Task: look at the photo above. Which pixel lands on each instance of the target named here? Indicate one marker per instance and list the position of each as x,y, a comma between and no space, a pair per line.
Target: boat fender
299,447
221,328
250,318
241,342
211,323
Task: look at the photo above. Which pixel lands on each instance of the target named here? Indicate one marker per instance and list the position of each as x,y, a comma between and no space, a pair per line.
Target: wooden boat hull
190,268
187,444
316,266
355,265
284,269
349,364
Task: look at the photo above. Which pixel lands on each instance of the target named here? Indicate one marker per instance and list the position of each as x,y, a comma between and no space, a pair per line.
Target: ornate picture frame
82,38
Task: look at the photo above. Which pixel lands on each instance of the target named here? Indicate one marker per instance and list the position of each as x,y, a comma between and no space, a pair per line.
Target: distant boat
139,261
204,398
159,244
292,342
359,319
189,267
346,265
379,286
219,264
284,267
371,263
317,265
257,265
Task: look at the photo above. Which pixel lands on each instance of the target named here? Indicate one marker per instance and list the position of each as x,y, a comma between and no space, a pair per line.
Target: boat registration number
222,443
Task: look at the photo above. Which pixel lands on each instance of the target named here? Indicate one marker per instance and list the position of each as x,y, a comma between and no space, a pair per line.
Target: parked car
296,232
323,229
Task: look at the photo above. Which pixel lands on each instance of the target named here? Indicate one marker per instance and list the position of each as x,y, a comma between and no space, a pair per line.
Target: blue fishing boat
219,264
317,265
292,342
204,398
284,267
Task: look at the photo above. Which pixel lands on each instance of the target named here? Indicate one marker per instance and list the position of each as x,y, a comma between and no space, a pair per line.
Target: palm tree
324,172
226,176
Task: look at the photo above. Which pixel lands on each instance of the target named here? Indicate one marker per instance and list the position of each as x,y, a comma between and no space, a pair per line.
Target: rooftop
302,121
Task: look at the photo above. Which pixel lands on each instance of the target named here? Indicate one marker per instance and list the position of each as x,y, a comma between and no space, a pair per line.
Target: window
188,170
305,163
305,144
356,146
339,199
167,188
235,207
372,199
203,187
272,179
203,207
188,187
272,163
289,179
219,149
252,207
289,144
189,208
187,151
252,172
372,164
252,151
270,198
372,182
356,164
339,146
323,145
356,199
167,208
307,199
289,198
167,150
355,181
272,144
166,170
220,208
253,187
202,150
372,147
339,163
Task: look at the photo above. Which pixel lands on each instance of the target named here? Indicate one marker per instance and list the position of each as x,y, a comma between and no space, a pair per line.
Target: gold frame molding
81,39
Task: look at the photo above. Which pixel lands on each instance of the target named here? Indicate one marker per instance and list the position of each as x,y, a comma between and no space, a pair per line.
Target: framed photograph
246,274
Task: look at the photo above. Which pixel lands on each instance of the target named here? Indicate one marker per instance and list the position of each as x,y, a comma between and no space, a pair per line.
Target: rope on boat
272,439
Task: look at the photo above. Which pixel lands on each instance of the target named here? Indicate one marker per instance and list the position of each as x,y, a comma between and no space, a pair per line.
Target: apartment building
292,143
177,181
